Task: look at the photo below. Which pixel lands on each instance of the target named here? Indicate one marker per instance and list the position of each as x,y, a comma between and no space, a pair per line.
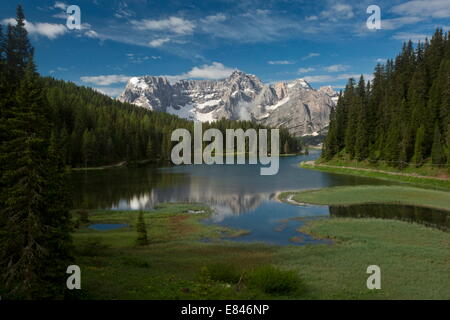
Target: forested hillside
95,129
402,116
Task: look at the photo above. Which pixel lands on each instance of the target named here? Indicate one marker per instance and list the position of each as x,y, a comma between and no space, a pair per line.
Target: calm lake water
240,197
107,226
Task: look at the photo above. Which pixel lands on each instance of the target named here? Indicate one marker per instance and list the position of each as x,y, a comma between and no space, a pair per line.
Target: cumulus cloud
216,18
336,68
174,25
281,62
338,12
106,80
155,43
214,71
49,30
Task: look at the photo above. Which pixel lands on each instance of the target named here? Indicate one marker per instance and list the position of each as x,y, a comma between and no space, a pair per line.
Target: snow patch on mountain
294,105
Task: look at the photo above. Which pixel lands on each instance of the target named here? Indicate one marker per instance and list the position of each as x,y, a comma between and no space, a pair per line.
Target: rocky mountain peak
294,105
329,91
302,83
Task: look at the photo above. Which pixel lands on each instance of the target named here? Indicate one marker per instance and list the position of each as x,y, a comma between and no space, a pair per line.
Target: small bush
274,281
222,272
91,247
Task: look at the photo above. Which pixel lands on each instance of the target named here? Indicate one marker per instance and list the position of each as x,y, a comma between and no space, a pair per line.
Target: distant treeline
400,117
96,130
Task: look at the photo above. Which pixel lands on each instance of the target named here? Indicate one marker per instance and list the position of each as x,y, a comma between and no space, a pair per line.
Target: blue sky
323,41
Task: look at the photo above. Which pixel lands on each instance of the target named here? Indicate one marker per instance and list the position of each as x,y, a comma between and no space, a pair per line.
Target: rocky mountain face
294,105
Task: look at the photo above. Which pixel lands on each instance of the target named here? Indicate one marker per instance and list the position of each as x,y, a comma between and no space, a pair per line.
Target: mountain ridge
294,105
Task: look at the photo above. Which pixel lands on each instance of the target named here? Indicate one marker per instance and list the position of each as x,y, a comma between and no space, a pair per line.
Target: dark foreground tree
141,230
35,243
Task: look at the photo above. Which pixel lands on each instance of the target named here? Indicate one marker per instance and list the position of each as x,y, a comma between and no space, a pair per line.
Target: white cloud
60,5
306,70
214,71
174,25
424,8
380,60
311,55
336,68
158,42
106,80
281,62
220,17
92,34
338,12
49,30
405,36
395,23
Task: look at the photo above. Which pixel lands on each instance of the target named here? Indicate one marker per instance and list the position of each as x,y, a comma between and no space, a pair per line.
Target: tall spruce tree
419,146
141,228
437,152
35,241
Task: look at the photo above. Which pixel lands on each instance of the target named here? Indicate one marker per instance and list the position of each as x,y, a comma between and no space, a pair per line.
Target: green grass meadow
185,259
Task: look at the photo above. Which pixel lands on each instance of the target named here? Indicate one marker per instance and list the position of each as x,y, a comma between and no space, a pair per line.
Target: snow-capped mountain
293,105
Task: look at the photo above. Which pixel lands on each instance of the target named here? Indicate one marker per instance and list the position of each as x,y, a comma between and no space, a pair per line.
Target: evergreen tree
37,238
437,152
352,117
18,48
141,230
35,245
418,146
361,141
330,146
